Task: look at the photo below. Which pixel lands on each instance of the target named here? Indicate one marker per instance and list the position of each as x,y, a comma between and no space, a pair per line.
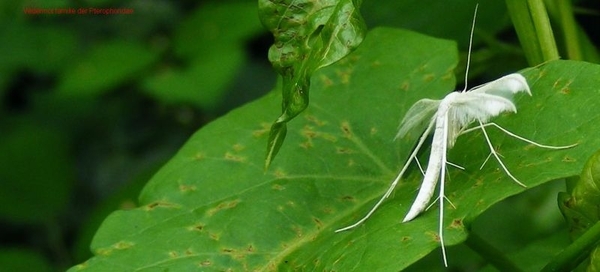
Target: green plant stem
531,22
490,253
576,42
519,14
575,253
543,29
569,29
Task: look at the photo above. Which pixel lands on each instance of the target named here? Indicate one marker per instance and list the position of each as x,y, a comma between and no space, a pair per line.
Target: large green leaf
309,35
212,207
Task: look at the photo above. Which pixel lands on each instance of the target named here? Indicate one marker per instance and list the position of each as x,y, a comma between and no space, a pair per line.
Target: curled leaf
581,205
581,208
309,34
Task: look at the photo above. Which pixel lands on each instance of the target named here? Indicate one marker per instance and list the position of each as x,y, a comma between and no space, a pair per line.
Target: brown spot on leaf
231,157
214,236
344,150
308,132
226,205
327,82
238,147
348,198
104,251
160,204
346,130
556,83
197,227
265,127
568,159
318,222
351,162
428,77
187,188
328,137
313,119
434,236
405,86
279,173
373,131
457,224
199,156
278,187
449,75
121,245
206,263
306,145
298,231
344,76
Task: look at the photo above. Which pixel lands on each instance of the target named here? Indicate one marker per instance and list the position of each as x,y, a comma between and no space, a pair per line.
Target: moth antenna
470,47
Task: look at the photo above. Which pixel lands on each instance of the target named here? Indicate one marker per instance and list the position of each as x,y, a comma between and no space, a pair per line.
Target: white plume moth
448,119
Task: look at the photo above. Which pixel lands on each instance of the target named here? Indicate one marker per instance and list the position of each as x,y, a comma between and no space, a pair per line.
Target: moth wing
480,106
468,107
505,86
488,100
418,116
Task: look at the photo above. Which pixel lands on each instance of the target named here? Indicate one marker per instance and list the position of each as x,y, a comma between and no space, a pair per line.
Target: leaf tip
276,137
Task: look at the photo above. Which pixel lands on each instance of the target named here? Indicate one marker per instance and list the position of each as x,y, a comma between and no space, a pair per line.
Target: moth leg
419,165
412,156
445,197
518,137
487,158
455,165
436,200
485,161
487,139
449,163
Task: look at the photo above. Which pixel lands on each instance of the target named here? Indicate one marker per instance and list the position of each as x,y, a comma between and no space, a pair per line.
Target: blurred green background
92,105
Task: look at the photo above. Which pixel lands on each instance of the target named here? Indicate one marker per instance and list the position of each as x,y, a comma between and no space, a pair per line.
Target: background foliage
92,106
